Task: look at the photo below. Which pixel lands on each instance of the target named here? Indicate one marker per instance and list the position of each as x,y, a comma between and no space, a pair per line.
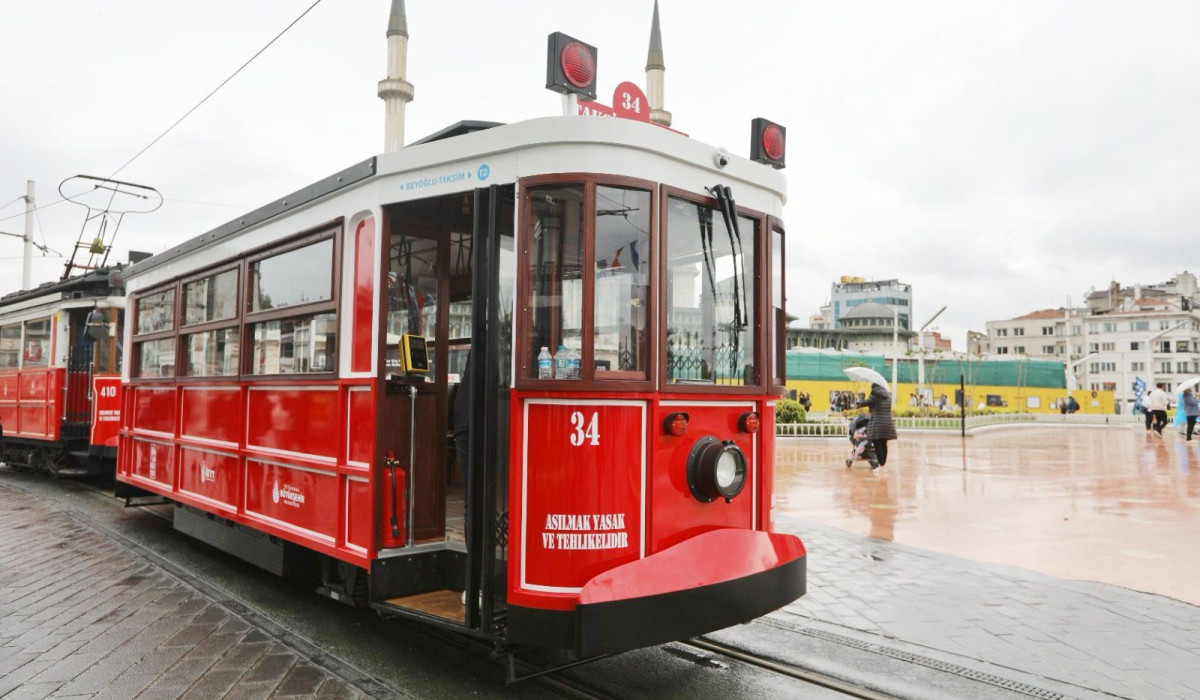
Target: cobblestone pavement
1080,639
80,617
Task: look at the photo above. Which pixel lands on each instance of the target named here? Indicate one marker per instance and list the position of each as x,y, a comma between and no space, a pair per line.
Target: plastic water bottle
545,364
562,363
573,361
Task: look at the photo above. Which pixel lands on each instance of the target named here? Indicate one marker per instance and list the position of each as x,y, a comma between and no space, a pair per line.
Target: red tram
60,387
517,380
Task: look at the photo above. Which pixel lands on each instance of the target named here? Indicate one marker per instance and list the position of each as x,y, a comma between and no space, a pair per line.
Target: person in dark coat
881,428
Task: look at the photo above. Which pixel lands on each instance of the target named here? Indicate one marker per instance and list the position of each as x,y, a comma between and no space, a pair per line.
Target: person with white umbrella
882,428
1191,409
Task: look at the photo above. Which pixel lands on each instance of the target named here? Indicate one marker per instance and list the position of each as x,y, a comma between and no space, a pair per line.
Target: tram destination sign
628,102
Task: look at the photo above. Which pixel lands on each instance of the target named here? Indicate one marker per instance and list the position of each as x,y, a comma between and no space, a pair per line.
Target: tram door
450,278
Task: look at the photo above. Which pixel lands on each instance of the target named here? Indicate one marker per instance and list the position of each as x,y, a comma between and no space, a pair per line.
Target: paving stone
272,667
33,691
302,679
125,686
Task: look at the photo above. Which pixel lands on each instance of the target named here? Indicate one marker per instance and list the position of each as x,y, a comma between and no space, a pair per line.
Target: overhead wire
214,90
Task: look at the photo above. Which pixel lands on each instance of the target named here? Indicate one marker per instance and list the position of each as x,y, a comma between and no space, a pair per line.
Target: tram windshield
710,297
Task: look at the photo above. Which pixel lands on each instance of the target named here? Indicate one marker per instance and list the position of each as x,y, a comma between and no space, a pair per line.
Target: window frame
244,319
615,381
758,287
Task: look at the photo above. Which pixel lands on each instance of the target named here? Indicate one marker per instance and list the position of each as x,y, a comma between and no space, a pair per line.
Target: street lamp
921,356
1069,370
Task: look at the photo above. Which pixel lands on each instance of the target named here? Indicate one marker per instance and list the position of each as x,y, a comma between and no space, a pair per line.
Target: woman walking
881,428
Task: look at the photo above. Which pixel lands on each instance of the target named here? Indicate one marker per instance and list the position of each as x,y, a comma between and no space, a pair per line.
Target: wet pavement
1110,504
980,568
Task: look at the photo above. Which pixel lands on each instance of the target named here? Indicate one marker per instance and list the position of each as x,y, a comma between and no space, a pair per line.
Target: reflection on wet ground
1114,504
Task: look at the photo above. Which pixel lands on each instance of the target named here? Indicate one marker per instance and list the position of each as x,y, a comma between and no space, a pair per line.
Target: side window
778,310
555,272
10,346
284,342
154,338
210,305
37,344
622,283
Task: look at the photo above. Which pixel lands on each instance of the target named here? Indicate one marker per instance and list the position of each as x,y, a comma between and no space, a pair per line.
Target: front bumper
706,583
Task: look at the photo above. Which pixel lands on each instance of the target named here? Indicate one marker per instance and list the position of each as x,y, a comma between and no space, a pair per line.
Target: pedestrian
881,428
1158,402
1191,409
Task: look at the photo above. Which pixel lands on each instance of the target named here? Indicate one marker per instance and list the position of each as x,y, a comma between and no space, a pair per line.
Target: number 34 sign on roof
628,102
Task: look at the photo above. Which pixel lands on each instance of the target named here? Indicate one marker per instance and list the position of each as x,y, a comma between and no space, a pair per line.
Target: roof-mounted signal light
570,66
768,143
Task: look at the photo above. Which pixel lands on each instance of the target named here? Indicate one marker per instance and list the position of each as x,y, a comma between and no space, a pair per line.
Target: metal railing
837,426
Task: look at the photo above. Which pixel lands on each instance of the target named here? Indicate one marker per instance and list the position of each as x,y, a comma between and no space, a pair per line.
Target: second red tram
60,387
518,380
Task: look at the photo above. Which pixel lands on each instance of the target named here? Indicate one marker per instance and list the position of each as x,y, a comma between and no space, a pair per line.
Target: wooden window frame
244,319
587,372
760,322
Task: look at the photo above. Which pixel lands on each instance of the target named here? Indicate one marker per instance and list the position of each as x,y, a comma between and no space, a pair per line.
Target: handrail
836,426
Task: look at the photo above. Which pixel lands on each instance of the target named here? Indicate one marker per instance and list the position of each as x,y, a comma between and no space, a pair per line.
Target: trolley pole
27,269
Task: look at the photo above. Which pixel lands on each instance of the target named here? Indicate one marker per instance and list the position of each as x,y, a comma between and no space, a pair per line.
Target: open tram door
449,266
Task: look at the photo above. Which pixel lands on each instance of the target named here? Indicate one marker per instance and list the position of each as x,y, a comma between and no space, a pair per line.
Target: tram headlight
715,470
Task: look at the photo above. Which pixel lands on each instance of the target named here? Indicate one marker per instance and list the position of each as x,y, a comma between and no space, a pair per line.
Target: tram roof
95,283
468,139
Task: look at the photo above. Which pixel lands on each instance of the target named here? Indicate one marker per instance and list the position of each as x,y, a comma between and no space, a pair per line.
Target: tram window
156,358
300,276
710,297
37,343
213,298
10,346
622,291
299,345
156,312
556,270
212,353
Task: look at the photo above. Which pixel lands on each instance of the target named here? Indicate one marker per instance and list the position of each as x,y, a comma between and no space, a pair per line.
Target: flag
1139,386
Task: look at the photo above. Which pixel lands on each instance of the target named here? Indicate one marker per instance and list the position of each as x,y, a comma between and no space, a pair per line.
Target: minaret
394,90
655,68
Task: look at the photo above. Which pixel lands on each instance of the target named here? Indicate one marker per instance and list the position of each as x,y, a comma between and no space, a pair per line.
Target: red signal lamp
768,143
676,424
570,66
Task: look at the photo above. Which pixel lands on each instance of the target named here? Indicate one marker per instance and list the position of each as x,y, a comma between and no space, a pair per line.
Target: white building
850,292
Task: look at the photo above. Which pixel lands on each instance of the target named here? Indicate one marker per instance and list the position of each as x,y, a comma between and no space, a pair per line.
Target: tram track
784,669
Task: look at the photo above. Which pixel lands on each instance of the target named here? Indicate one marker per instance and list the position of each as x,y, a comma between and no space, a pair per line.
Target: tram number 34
584,430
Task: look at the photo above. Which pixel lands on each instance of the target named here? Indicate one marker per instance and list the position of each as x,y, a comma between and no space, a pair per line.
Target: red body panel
213,413
31,402
290,459
364,296
583,488
293,498
636,471
677,515
300,420
106,409
211,476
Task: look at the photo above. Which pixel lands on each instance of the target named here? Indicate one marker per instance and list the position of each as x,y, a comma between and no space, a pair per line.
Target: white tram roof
469,155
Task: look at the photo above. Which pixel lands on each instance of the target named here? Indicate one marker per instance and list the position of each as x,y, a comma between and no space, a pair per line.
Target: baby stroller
861,445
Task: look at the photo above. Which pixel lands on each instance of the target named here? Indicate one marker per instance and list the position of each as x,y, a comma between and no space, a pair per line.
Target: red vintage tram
59,374
518,380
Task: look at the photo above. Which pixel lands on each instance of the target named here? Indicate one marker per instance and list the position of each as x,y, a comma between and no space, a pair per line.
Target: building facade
850,292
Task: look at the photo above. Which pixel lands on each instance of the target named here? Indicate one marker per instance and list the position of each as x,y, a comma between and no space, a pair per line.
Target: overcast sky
1001,157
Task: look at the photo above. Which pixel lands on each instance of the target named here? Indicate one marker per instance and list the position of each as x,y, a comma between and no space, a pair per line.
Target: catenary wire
214,90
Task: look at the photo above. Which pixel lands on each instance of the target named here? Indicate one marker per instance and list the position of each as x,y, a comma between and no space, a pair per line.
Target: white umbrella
866,374
1188,384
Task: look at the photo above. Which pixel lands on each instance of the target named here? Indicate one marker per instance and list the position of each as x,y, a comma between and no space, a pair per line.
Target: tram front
648,354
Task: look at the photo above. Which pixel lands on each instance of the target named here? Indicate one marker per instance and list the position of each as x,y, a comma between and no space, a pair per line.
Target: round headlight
715,469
